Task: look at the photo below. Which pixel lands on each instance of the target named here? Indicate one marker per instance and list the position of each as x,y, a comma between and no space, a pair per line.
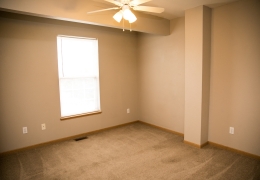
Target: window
78,76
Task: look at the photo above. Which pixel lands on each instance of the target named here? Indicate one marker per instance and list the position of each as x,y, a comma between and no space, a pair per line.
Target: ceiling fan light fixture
118,16
126,6
127,14
132,18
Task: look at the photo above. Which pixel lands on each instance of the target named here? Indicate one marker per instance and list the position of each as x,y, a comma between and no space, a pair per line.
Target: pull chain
123,24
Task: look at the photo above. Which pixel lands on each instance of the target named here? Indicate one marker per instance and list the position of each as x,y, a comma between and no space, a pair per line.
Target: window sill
80,115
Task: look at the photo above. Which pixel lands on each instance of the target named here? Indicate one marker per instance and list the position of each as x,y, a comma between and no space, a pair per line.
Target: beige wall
235,76
197,74
29,78
193,74
29,93
207,16
161,77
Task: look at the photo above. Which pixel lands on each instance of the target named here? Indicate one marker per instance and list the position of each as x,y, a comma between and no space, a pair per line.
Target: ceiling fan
125,7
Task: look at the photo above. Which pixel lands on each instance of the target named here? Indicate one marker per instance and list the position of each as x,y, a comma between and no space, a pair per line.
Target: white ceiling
176,8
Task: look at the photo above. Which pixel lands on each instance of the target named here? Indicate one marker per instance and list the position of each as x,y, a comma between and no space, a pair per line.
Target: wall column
197,74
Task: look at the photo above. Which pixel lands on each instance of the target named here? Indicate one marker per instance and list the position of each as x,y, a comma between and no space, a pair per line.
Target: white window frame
70,95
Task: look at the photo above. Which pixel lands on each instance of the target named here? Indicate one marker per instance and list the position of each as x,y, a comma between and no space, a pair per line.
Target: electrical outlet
128,111
43,126
231,130
25,130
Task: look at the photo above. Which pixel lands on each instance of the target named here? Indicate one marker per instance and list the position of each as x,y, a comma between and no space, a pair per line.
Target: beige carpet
135,151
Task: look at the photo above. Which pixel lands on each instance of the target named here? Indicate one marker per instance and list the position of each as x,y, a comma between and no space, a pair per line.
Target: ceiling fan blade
149,9
115,2
137,2
101,10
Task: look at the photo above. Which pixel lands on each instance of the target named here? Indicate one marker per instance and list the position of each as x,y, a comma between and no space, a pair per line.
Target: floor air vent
80,138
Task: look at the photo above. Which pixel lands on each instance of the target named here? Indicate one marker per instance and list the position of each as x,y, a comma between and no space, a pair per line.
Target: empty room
130,89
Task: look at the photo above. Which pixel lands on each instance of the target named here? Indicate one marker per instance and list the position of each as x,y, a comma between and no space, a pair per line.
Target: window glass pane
78,75
79,95
78,56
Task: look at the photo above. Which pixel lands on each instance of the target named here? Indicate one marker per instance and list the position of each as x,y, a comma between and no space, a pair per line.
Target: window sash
79,91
